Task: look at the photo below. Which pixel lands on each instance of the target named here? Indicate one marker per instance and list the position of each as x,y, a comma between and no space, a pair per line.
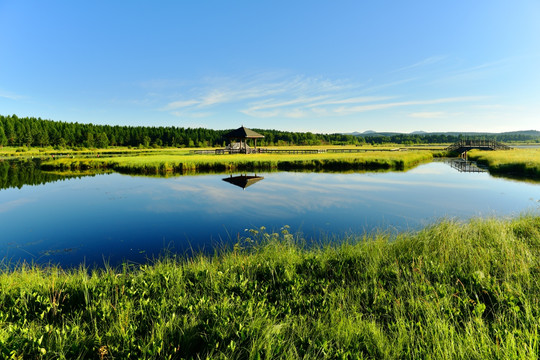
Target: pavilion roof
243,133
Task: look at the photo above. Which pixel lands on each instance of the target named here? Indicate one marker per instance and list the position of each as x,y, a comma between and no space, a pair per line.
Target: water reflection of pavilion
243,181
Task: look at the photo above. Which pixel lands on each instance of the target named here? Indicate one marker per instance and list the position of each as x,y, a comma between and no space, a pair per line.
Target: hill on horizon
533,133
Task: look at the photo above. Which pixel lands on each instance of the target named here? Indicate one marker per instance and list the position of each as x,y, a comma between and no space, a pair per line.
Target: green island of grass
450,291
162,163
518,162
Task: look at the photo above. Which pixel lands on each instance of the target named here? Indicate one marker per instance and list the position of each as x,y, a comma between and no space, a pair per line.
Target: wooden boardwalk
258,151
292,151
289,151
466,145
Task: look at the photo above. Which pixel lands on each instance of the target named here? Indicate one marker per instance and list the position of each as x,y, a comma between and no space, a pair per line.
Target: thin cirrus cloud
354,106
427,115
309,106
296,97
387,105
9,95
432,60
258,93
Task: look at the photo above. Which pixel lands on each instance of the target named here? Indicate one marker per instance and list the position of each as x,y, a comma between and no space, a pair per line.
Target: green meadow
450,291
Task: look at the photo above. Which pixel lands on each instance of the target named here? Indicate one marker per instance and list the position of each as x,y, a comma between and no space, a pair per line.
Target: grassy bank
517,162
159,163
453,290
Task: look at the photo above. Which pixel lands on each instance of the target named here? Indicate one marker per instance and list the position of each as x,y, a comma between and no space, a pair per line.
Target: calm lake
112,217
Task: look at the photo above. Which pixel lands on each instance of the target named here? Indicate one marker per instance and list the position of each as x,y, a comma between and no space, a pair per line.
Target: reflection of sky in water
124,217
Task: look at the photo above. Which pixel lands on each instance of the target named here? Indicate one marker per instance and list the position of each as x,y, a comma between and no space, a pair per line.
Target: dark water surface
114,217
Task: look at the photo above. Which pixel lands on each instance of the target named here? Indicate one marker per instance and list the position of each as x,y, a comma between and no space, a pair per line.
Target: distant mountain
365,133
523,132
532,133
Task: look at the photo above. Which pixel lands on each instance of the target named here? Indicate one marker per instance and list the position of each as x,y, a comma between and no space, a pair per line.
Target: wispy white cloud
308,105
490,107
427,114
180,104
262,94
348,110
296,114
354,100
425,62
10,95
294,97
279,104
487,65
464,75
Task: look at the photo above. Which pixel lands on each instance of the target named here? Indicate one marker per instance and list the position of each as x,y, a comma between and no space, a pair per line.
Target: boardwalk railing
359,150
292,151
465,145
287,151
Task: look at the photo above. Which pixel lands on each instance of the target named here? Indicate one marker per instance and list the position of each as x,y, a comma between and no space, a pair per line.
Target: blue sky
320,66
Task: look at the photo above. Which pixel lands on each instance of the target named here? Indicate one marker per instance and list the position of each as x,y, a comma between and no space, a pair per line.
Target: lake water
112,217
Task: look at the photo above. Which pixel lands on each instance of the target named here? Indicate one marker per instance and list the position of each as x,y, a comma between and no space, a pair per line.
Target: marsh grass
7,151
161,164
519,162
450,291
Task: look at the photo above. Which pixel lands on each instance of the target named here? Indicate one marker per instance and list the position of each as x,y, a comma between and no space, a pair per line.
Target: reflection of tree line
16,174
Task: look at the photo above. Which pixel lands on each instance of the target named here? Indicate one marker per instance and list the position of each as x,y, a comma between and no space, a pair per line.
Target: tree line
31,131
37,132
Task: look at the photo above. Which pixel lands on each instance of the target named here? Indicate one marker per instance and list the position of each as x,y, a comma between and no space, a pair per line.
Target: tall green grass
450,291
518,162
154,164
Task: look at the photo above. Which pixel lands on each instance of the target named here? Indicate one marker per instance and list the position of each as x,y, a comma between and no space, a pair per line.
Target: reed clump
452,290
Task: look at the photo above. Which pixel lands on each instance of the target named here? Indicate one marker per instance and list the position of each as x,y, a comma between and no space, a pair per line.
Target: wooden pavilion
242,134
